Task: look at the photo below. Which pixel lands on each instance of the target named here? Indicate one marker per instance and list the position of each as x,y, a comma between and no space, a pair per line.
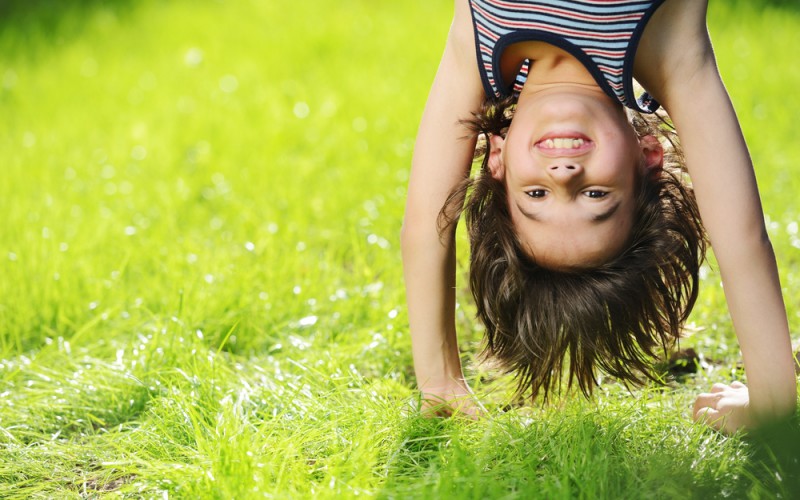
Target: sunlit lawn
200,276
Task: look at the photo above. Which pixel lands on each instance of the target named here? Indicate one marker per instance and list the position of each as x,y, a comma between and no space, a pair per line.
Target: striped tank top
601,34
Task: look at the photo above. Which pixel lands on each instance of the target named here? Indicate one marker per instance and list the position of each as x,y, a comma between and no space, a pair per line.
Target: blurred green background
137,133
200,268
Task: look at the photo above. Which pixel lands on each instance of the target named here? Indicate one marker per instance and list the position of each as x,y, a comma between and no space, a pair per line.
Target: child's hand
725,408
455,398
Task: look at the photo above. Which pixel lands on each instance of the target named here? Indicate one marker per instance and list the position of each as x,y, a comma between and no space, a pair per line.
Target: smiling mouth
562,143
560,146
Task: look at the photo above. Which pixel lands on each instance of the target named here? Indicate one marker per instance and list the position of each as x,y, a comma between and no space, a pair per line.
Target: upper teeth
563,143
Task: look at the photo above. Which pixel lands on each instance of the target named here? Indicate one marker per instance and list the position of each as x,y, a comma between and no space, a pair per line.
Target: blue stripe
593,30
523,15
609,8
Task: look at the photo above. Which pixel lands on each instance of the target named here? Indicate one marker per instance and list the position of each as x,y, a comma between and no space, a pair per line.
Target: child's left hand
725,408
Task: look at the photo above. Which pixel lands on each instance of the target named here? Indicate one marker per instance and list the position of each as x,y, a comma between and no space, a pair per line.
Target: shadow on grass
774,465
579,456
587,455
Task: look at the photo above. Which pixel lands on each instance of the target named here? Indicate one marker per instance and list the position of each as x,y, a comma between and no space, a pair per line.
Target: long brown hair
617,316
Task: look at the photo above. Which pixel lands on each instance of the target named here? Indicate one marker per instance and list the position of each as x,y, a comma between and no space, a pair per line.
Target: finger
718,387
468,407
706,399
737,385
702,413
435,407
701,401
466,411
709,417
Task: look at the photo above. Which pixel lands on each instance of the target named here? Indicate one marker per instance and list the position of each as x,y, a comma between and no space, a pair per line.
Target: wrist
437,363
439,381
772,403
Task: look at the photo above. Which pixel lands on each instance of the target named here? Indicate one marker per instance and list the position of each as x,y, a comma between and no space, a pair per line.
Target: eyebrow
601,217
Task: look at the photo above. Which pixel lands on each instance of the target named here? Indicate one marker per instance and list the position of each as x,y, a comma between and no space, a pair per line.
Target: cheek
519,139
620,158
621,136
517,149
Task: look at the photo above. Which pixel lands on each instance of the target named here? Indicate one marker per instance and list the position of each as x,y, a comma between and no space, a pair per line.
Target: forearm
442,159
429,269
753,292
442,156
727,194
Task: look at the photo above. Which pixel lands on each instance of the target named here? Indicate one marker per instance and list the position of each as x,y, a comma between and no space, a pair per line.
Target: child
585,243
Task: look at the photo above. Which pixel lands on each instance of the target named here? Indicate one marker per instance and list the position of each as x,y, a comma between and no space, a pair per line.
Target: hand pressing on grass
451,399
725,408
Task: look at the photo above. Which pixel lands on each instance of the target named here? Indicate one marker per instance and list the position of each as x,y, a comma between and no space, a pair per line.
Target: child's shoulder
678,16
674,42
462,35
462,18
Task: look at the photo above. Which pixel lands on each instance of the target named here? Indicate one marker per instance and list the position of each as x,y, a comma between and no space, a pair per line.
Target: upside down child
586,240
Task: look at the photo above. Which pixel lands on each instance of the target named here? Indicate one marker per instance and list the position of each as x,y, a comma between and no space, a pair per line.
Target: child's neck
550,66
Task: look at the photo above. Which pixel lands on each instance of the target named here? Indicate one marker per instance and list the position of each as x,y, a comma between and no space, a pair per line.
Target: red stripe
605,53
607,69
553,29
566,13
487,32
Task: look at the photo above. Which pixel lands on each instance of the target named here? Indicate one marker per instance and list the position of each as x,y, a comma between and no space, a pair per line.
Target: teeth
563,143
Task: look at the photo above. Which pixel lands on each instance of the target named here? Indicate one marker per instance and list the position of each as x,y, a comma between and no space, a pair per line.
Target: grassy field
200,276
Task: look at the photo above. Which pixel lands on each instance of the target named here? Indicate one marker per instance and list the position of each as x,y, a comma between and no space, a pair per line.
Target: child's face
571,162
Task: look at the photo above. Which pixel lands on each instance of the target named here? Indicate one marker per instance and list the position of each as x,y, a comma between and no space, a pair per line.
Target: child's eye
593,193
536,193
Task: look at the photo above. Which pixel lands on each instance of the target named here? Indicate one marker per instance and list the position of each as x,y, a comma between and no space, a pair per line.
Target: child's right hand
451,399
725,408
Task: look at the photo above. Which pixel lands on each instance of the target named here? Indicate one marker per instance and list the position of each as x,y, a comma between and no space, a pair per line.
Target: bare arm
442,158
727,194
686,81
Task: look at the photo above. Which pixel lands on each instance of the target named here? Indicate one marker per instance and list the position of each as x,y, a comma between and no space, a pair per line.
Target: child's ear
496,143
653,154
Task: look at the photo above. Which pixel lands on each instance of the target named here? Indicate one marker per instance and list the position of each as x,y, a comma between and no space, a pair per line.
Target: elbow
407,232
761,242
410,233
415,229
424,232
744,250
744,237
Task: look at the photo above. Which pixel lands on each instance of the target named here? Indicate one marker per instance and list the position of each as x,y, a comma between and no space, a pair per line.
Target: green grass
200,277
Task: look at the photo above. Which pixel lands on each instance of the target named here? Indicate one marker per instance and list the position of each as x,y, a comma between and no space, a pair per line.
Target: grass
201,291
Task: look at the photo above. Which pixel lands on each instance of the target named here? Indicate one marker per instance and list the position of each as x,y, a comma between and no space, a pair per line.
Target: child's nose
564,172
